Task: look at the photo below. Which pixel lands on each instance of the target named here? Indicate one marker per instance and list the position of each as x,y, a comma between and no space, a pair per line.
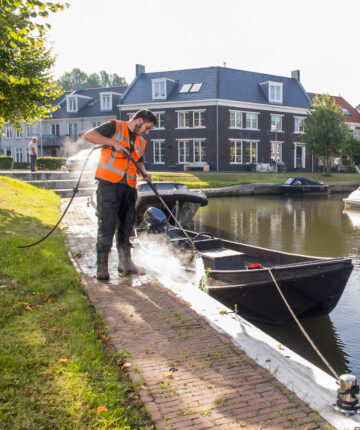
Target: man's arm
142,171
96,138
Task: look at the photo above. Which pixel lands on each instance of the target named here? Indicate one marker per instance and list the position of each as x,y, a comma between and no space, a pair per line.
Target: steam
171,265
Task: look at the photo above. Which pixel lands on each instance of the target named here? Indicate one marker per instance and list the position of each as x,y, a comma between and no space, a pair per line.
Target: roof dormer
162,87
75,102
108,99
273,91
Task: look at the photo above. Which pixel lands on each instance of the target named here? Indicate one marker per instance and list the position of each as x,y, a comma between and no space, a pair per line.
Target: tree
102,79
325,129
351,149
26,84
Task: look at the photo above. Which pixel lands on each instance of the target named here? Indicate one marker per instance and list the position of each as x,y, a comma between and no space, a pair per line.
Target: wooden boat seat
223,259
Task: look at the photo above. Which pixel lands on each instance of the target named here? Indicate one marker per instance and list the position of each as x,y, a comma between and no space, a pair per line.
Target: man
116,192
33,153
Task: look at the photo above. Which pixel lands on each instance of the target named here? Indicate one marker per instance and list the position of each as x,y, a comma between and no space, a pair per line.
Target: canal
317,226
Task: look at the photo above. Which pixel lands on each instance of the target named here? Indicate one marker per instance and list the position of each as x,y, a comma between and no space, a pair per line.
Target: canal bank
195,363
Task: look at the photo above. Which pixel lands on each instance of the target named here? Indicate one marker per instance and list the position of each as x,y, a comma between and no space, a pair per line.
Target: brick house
230,119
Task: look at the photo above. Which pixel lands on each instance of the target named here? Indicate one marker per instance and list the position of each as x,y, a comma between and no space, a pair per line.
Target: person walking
116,191
33,153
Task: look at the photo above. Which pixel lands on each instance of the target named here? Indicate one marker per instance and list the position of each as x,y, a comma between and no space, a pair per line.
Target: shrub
50,163
6,162
21,165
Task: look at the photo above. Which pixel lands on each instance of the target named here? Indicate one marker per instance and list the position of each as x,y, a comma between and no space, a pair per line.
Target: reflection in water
309,225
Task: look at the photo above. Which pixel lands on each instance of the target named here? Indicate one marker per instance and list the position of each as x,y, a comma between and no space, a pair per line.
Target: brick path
188,375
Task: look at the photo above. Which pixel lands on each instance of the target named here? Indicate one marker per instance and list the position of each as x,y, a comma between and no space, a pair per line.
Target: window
196,87
276,123
299,125
29,131
8,132
299,155
18,155
252,120
199,119
185,88
275,92
96,124
71,104
8,152
235,152
276,152
73,129
199,150
250,151
345,111
160,120
55,129
236,119
105,101
183,119
19,133
183,151
158,89
158,148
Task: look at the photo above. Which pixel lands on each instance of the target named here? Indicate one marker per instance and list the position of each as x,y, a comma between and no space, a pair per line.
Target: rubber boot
102,273
126,265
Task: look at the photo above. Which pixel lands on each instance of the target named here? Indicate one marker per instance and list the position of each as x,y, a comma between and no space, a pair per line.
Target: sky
318,37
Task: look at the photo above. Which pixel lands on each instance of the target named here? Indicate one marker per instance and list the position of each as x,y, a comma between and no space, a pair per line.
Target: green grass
215,180
57,368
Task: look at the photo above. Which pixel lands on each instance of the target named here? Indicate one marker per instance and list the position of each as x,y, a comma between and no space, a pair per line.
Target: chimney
139,69
296,74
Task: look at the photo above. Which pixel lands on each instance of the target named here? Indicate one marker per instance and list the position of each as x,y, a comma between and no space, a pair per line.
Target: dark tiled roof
92,108
354,114
218,82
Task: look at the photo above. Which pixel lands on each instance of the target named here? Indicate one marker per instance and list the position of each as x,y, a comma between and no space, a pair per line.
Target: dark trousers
116,215
32,162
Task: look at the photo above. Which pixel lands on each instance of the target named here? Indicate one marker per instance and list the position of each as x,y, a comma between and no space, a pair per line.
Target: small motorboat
238,275
182,202
301,185
353,200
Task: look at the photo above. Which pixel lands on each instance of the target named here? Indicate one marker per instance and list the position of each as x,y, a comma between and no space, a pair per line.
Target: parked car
76,162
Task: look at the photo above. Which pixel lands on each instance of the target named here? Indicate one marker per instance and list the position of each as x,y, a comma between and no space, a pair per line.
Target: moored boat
301,185
353,200
238,276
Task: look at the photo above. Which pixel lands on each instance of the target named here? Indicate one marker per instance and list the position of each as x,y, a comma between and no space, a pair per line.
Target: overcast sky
318,37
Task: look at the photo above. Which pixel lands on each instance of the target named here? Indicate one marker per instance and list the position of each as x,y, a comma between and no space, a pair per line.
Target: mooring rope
301,327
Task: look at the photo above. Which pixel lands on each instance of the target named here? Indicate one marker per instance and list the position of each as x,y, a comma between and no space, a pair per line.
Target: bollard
347,402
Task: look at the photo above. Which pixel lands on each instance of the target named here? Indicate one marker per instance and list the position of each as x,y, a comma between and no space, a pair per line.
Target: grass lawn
215,180
57,368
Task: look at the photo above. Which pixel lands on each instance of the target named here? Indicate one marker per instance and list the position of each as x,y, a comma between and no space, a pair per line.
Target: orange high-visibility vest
113,166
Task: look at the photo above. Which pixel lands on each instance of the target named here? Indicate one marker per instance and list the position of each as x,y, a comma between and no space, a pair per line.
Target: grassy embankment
215,180
57,368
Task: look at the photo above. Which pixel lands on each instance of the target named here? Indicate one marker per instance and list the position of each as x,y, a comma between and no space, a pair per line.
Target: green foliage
6,162
95,80
50,163
26,85
351,147
21,165
325,128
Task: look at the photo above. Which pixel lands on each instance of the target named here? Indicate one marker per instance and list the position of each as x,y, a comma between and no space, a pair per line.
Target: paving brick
214,385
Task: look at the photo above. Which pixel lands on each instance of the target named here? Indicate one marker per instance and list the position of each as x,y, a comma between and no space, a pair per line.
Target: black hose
75,190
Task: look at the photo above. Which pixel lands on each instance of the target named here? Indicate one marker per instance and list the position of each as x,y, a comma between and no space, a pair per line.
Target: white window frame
277,95
251,143
273,123
185,88
183,151
161,119
236,119
159,89
71,104
297,121
252,117
276,148
18,155
201,118
237,144
29,130
9,133
105,101
198,148
8,151
196,87
72,126
55,127
96,124
158,151
18,134
303,155
184,113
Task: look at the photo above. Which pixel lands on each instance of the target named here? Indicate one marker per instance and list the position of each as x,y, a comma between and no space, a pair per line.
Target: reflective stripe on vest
112,167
